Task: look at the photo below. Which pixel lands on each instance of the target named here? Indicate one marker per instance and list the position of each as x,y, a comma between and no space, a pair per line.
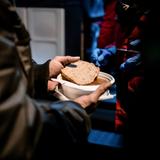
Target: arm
25,118
42,74
26,123
40,79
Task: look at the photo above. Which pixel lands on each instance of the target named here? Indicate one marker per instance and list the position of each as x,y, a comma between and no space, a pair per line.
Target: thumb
99,91
87,101
52,85
101,58
67,59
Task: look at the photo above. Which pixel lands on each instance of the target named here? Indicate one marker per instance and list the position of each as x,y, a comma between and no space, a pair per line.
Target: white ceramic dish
58,93
72,90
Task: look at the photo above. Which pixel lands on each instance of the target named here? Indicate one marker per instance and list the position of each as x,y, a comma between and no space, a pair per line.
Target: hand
94,55
103,57
91,99
125,6
131,63
104,54
135,44
52,85
58,63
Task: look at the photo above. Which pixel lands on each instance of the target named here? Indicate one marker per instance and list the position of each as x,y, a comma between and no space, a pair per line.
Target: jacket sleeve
38,76
40,80
24,121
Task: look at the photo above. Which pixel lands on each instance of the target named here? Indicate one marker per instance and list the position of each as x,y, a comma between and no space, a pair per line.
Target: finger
84,101
91,99
125,7
68,59
101,57
99,91
52,85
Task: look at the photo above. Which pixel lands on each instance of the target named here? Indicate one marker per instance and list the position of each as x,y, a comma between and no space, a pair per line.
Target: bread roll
80,72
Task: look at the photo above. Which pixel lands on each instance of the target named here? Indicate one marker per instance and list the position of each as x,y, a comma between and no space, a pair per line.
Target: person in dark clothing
30,126
119,48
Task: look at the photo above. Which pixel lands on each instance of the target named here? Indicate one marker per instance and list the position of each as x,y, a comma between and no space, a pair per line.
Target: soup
99,80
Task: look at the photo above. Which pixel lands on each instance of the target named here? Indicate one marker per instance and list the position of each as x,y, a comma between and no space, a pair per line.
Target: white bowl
72,90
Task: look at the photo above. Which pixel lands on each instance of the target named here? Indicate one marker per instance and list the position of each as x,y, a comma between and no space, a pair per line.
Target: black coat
27,125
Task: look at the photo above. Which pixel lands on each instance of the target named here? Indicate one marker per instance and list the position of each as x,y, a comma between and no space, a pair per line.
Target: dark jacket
28,125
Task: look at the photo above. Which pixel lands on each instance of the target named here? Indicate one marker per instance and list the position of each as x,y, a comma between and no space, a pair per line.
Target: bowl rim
86,87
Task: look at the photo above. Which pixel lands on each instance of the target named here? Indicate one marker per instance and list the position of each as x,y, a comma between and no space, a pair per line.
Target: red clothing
133,84
108,25
113,33
120,117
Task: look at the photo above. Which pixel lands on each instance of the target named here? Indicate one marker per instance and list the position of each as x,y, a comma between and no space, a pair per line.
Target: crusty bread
80,72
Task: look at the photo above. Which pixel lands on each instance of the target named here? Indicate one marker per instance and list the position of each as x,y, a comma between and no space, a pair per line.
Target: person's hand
131,63
55,67
125,6
104,54
52,85
91,99
94,55
58,63
134,44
